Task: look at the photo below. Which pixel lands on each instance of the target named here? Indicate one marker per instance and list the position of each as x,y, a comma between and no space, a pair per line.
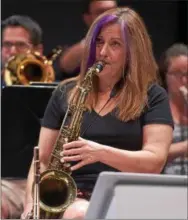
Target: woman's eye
115,43
99,41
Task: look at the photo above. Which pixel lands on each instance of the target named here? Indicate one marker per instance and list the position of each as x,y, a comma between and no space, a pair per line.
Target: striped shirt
178,166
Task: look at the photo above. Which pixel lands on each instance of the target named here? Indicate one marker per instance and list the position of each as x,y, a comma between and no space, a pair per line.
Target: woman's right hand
27,210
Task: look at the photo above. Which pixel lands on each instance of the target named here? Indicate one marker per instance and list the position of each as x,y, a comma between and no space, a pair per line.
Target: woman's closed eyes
112,43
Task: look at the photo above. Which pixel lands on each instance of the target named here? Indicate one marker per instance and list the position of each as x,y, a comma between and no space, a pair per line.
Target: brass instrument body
57,188
36,189
29,67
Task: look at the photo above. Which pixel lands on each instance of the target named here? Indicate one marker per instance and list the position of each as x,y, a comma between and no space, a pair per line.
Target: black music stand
138,196
22,108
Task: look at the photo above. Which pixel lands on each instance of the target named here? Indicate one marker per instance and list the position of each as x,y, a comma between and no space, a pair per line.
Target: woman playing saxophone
126,125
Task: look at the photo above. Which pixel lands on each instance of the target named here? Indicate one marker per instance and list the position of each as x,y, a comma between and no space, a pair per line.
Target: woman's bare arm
71,59
151,159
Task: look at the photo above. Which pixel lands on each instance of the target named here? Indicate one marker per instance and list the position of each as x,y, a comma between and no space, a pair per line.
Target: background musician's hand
84,151
27,209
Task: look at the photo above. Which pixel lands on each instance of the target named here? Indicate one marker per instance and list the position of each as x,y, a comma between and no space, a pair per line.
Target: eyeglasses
178,74
19,45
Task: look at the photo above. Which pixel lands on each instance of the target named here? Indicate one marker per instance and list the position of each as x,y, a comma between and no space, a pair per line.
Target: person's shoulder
156,89
65,86
77,46
156,93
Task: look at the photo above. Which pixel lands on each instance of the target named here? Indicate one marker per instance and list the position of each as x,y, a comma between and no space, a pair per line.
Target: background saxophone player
70,60
127,126
19,34
173,68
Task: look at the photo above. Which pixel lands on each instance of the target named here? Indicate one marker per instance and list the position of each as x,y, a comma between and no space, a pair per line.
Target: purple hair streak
105,20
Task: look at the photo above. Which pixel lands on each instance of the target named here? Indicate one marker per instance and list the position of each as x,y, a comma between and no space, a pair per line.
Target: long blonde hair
140,66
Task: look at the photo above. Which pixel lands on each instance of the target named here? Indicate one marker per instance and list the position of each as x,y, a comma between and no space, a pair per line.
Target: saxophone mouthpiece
99,66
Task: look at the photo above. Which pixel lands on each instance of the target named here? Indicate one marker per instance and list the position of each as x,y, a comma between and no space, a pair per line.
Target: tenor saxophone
57,187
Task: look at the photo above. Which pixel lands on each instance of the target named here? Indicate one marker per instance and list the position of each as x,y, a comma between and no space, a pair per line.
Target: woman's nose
103,51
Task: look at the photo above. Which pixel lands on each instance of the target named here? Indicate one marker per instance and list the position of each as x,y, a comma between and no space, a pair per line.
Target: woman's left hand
84,151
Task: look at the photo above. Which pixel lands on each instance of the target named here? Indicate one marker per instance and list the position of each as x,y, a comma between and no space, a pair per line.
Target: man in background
70,60
19,34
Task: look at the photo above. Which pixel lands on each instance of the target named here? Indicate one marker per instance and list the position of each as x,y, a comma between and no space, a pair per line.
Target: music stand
44,84
138,196
22,108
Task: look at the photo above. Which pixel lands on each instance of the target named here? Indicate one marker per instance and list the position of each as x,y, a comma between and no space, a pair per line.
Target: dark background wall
62,23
